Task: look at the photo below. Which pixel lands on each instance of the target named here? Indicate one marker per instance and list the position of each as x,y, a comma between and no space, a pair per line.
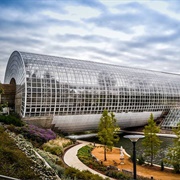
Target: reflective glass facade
57,86
172,119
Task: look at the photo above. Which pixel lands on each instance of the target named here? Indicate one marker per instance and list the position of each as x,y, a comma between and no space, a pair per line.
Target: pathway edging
71,159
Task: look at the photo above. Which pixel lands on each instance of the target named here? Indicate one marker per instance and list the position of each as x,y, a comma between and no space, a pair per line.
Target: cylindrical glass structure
63,87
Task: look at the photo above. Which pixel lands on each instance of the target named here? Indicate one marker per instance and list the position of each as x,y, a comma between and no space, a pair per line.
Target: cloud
89,3
131,15
85,38
141,34
174,6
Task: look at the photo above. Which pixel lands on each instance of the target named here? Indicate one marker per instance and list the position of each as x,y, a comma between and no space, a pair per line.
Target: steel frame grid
49,85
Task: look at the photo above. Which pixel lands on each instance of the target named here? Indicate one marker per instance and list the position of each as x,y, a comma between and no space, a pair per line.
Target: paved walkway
71,159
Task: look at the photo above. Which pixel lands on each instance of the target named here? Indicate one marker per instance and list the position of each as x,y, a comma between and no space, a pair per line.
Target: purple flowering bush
37,134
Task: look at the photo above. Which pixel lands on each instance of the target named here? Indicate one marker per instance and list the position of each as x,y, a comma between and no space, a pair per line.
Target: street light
134,139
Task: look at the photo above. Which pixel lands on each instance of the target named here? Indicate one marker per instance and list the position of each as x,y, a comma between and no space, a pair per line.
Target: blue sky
141,33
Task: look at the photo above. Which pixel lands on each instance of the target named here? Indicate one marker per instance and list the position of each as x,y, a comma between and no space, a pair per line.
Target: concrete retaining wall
43,121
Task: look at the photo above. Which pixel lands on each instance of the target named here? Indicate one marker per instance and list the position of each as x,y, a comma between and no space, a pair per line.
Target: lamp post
134,139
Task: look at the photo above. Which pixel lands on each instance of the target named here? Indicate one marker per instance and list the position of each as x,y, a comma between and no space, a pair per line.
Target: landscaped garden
84,154
145,170
30,152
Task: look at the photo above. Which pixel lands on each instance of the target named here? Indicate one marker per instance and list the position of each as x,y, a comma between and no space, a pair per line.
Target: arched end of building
13,82
16,98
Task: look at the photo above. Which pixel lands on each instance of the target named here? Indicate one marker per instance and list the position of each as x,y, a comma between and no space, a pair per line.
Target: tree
106,131
173,155
151,141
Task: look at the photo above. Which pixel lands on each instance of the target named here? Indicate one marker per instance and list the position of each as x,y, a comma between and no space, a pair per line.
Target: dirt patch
113,158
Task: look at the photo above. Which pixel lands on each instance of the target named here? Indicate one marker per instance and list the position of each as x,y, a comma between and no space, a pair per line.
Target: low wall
44,122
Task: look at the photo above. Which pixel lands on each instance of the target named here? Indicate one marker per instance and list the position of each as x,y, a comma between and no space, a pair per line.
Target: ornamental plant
53,149
56,146
63,142
38,134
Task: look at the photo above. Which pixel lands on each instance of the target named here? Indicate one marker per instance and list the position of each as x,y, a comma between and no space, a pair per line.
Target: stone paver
71,159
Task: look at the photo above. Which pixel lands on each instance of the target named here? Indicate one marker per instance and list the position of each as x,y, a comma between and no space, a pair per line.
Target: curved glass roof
49,85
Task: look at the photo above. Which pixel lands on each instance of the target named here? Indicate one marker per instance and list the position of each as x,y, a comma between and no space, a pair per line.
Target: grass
61,142
84,154
56,146
14,162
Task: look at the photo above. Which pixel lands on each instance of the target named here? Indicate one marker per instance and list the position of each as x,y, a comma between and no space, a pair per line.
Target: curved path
71,159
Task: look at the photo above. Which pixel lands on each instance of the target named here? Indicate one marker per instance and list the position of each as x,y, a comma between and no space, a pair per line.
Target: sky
142,33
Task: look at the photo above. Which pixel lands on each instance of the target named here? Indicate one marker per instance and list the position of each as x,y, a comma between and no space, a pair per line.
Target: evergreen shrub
11,119
84,175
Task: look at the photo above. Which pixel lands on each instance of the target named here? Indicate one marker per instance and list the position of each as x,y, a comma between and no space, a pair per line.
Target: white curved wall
78,123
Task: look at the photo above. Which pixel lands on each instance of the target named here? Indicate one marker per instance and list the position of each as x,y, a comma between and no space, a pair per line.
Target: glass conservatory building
72,94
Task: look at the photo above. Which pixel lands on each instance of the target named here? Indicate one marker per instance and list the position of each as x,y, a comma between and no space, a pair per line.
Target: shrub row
11,119
81,175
